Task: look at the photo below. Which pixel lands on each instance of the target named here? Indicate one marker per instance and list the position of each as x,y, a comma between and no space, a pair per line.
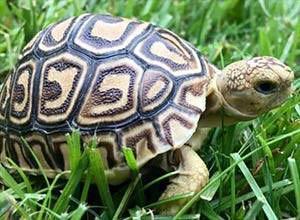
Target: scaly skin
193,176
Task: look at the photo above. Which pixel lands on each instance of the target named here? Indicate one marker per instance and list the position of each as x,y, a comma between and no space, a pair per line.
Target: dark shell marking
113,93
56,35
21,94
156,87
126,82
62,78
4,97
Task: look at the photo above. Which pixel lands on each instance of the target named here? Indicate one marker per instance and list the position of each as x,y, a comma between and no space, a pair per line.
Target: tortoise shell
128,82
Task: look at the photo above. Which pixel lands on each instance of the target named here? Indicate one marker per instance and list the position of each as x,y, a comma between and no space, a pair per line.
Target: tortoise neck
218,111
216,106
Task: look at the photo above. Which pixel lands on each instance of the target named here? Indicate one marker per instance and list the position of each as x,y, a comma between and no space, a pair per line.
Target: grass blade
296,180
210,184
25,144
209,193
130,160
208,211
79,212
7,203
132,163
49,195
9,206
75,178
126,198
10,182
232,192
257,191
22,174
86,187
97,170
287,48
285,185
73,141
264,43
171,199
255,209
157,180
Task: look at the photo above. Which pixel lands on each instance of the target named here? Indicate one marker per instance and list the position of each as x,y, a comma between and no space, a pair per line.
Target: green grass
254,166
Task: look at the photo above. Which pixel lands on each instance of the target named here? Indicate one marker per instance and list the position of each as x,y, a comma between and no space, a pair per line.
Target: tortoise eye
266,87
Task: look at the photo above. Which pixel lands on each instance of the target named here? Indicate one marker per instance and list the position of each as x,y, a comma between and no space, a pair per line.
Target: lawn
254,166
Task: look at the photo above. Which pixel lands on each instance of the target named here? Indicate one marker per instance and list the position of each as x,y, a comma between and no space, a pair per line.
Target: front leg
193,176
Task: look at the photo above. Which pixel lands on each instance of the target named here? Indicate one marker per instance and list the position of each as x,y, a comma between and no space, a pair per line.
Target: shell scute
112,96
61,80
21,93
102,34
108,147
144,140
56,35
155,89
3,142
177,126
4,97
192,94
165,49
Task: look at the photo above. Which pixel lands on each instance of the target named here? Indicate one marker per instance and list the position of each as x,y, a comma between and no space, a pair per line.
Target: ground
254,166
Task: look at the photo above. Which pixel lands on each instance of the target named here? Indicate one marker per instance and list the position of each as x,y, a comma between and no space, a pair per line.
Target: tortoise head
252,87
245,89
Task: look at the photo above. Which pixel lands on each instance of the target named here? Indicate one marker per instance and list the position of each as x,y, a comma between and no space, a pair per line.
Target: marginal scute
31,44
21,94
112,96
19,153
192,94
108,147
155,88
102,34
39,146
2,146
58,145
142,138
24,158
163,48
4,97
61,81
56,35
177,126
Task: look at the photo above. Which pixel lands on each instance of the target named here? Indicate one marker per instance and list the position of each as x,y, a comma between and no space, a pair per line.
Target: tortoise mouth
235,113
231,111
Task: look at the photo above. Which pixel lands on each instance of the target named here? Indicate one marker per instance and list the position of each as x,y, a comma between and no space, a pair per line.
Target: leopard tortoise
131,84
